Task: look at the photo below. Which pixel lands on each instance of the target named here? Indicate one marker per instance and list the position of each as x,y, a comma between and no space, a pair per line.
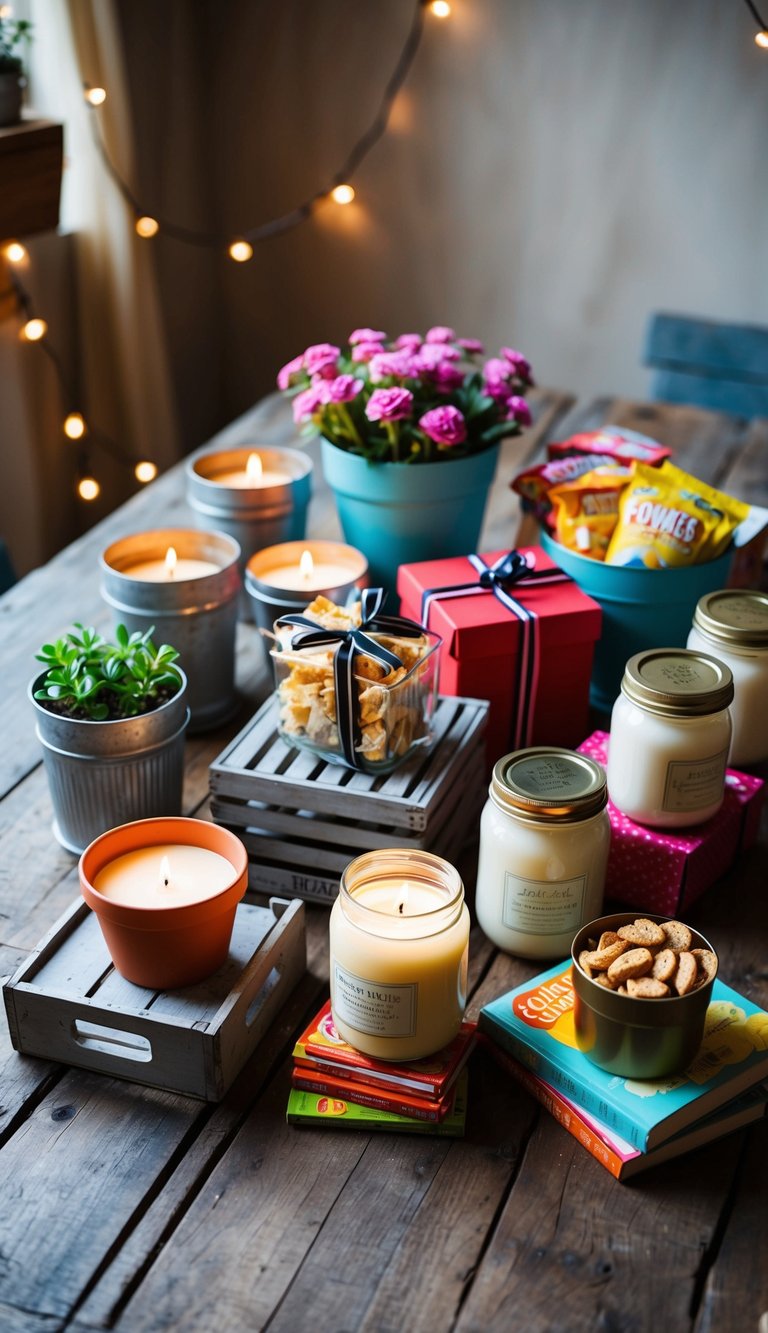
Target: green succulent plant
90,678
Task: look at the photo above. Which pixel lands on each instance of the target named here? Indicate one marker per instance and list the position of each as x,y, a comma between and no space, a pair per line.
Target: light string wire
191,236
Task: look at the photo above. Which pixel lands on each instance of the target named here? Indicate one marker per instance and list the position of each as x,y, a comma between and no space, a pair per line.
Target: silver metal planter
101,774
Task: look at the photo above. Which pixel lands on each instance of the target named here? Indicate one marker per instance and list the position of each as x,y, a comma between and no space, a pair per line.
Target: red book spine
364,1095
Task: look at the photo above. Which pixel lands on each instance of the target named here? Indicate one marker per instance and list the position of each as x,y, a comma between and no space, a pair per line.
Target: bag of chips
587,510
618,443
668,519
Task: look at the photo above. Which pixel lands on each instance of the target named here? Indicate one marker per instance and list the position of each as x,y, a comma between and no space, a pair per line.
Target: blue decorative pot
398,513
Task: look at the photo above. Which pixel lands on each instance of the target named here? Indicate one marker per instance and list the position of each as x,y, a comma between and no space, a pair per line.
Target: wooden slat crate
67,1002
302,819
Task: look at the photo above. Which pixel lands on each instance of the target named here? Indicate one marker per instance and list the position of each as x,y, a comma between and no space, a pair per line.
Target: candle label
374,1007
543,906
692,785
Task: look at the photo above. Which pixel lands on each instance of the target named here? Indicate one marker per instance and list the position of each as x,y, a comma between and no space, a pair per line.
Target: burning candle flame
170,561
306,565
254,469
165,873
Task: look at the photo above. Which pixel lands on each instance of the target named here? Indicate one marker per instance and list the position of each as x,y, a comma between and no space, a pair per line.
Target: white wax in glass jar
668,772
539,882
749,710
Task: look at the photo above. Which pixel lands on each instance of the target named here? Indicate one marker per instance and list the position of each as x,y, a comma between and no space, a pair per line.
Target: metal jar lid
677,682
735,617
548,784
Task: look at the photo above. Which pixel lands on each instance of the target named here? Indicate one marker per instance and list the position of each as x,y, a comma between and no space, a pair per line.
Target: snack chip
587,510
621,445
668,519
536,483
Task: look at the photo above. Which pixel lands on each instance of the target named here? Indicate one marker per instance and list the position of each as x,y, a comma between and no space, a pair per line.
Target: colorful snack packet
620,444
535,483
587,510
668,519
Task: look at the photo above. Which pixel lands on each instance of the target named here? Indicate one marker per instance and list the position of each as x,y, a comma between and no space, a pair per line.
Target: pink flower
389,405
471,345
444,425
366,336
410,340
364,351
429,357
306,403
518,410
344,388
322,359
390,365
440,334
497,376
447,377
286,373
519,364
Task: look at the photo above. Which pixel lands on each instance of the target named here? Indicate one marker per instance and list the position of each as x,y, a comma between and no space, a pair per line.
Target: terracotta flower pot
163,948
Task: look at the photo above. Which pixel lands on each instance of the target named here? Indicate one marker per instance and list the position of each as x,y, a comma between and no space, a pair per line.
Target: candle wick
165,882
401,908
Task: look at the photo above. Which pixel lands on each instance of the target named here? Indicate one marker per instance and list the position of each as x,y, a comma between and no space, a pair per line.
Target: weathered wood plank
736,1291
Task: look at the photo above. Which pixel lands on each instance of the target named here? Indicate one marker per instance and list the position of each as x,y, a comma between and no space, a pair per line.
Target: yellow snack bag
668,519
587,509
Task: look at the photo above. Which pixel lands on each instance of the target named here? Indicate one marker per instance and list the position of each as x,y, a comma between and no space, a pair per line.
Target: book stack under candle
334,1084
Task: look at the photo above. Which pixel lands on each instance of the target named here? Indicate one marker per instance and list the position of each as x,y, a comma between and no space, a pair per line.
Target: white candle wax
324,574
244,481
157,571
399,954
164,875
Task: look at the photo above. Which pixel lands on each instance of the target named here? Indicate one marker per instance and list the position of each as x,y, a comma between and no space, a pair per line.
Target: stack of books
631,1124
334,1084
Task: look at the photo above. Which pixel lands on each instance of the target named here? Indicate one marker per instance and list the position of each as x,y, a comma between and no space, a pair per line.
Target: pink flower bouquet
411,399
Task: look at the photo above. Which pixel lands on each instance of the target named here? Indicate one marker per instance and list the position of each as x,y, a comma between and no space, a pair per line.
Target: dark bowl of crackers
642,985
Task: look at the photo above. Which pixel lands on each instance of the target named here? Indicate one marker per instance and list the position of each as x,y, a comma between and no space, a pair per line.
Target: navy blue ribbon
510,570
350,643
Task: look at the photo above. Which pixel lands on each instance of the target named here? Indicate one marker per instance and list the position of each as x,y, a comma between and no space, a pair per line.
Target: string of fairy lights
239,249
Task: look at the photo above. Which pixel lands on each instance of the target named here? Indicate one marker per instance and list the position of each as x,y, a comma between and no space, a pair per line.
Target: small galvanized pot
642,1039
104,773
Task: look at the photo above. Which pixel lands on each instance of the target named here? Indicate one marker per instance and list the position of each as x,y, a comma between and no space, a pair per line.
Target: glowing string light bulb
15,252
74,426
441,9
241,251
34,330
342,194
145,470
96,96
147,227
88,488
761,39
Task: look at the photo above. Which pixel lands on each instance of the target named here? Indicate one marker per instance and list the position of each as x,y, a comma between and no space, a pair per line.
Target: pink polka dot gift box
665,871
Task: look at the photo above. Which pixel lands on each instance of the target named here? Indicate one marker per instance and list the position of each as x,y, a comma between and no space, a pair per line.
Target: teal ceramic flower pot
398,513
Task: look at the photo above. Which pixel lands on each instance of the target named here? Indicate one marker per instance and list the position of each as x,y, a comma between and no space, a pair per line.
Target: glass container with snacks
641,989
732,625
670,736
354,686
544,838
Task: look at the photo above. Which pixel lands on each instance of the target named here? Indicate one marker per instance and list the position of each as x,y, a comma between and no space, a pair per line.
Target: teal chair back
708,364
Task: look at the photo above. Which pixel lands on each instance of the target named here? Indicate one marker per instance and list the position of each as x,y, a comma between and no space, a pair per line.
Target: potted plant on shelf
111,718
12,33
411,430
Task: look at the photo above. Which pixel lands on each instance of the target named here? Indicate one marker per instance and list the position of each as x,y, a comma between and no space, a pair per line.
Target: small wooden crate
303,819
66,1002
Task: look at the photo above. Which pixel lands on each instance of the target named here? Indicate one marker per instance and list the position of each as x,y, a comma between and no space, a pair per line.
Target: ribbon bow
510,570
350,644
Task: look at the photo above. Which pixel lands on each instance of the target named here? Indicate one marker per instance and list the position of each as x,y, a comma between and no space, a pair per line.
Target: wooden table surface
137,1210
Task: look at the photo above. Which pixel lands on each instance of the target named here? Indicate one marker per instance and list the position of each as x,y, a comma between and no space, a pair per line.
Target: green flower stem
392,429
345,417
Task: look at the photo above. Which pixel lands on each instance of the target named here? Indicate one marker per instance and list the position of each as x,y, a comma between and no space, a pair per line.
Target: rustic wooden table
131,1209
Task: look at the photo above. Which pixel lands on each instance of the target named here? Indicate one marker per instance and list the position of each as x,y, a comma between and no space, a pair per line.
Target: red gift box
482,640
665,871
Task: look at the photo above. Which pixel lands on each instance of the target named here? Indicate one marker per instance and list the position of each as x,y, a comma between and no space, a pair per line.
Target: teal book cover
535,1024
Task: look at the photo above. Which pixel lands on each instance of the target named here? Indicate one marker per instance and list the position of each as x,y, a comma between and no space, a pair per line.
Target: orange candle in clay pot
165,892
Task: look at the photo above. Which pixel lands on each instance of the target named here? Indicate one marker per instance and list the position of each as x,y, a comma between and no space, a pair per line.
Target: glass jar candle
670,735
399,935
544,838
732,625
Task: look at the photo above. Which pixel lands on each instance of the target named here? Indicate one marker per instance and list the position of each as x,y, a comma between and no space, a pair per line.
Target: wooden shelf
31,159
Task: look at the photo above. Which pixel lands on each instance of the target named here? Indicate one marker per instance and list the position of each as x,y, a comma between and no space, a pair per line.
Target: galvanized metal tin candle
284,579
544,839
186,584
670,736
399,935
257,494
